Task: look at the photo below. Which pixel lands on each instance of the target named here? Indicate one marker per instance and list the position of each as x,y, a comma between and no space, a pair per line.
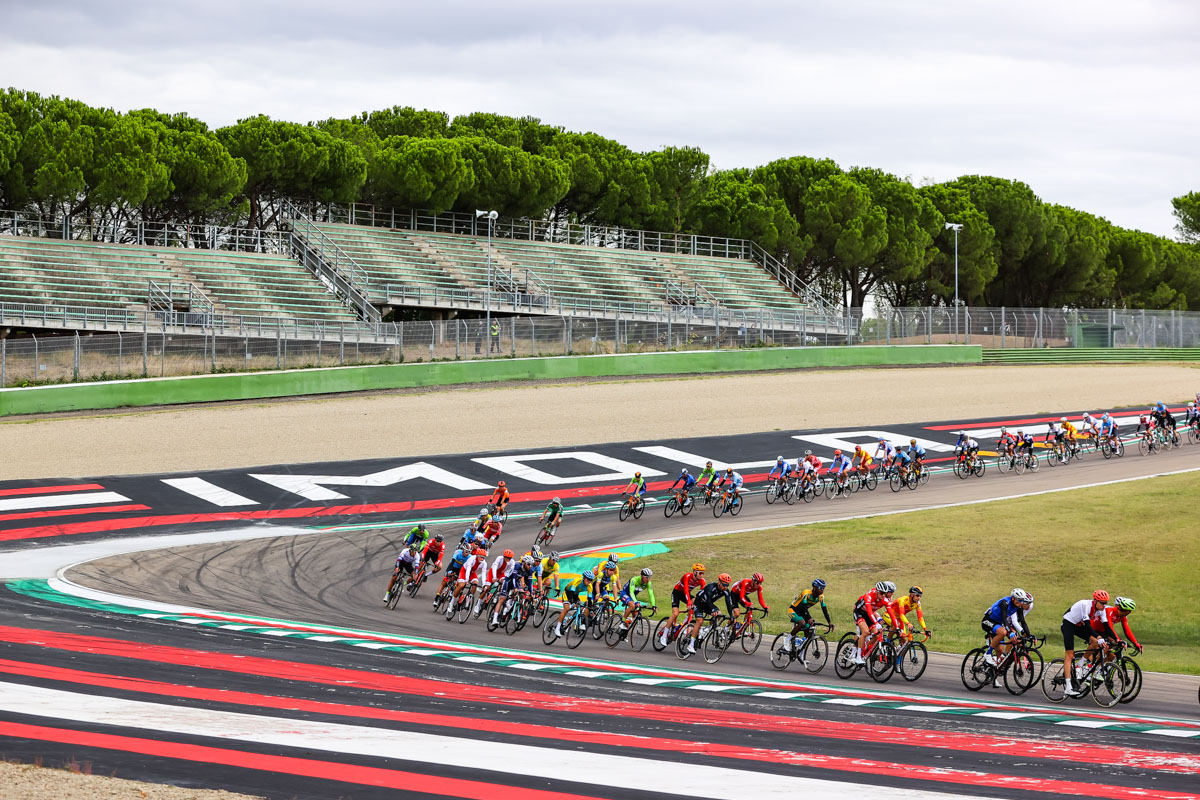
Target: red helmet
479,551
508,553
1100,596
724,579
501,484
857,447
757,577
837,452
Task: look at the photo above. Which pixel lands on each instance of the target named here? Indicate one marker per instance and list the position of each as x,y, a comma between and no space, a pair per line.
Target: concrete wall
244,386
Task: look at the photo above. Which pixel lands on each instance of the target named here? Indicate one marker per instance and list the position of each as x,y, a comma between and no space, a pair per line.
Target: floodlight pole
956,227
490,216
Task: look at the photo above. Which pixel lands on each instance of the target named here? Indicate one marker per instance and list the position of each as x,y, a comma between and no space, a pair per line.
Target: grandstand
52,272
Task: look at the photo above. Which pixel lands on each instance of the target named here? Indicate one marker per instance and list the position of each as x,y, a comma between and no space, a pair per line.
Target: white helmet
1022,596
1062,419
527,560
483,511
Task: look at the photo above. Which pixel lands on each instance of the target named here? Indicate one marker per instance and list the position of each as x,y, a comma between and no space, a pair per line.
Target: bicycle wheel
465,608
872,481
1019,464
1105,451
1192,434
1022,672
1054,681
681,645
1003,465
639,634
638,508
808,493
1120,449
735,507
814,653
670,508
771,494
1133,677
881,663
549,637
894,482
441,600
576,630
843,663
1143,446
1109,690
540,609
924,475
979,468
614,635
623,512
751,637
392,598
688,504
656,639
717,642
912,661
975,671
911,481
451,609
603,621
1052,458
780,658
818,486
718,507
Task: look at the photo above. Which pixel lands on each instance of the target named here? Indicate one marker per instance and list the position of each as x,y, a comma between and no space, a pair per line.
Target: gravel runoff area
486,417
532,415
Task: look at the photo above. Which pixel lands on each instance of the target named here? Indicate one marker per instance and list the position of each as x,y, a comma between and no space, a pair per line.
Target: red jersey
689,582
1107,625
873,602
742,587
434,550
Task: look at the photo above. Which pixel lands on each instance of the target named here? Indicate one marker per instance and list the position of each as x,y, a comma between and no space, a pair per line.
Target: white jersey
887,449
1081,613
408,557
499,570
473,568
972,444
808,467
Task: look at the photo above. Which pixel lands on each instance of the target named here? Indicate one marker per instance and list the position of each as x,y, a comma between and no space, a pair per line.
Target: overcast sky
1094,104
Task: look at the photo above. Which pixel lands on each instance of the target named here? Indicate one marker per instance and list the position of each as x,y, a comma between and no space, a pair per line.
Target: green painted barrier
259,385
1090,355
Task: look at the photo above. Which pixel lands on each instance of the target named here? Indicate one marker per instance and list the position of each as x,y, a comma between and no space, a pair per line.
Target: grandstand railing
556,232
336,270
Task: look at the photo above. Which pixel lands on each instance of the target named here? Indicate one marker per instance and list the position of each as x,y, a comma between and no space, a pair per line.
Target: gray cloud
1089,103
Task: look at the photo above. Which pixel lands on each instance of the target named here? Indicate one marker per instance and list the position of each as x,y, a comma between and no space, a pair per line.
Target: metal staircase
332,266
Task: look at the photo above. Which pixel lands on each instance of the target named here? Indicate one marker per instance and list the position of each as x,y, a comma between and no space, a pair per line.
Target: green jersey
637,584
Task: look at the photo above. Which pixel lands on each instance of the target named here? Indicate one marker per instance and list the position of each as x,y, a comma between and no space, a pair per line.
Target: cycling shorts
989,627
801,617
573,596
625,598
739,602
678,598
510,583
1071,632
703,609
860,612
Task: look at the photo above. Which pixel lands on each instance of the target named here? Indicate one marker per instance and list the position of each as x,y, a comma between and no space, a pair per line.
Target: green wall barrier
259,385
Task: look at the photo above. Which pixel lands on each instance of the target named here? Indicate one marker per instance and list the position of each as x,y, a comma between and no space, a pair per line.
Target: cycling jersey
579,588
887,448
599,570
408,557
1004,613
741,588
806,600
1105,625
636,486
868,604
840,463
520,576
456,561
1083,612
473,569
810,465
917,451
554,509
706,599
902,457
1069,429
780,469
687,480
706,476
433,551
416,534
546,569
636,585
899,610
500,497
861,457
1108,426
500,569
689,582
734,479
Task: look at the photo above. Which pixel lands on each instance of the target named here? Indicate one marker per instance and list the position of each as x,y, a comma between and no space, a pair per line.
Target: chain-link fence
131,354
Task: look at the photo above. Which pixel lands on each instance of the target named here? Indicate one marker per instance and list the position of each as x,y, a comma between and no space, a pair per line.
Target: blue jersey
917,451
688,481
903,457
840,463
458,559
780,469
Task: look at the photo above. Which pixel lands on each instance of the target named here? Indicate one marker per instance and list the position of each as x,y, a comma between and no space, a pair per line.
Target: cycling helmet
647,572
637,474
421,526
527,560
1062,419
808,452
501,484
913,442
1020,433
884,587
708,465
509,554
858,448
479,551
439,537
588,575
683,471
479,539
697,567
915,590
613,557
1100,596
1022,596
483,511
818,585
556,500
554,556
883,441
724,579
536,552
1126,604
757,577
837,452
1191,404
729,470
778,459
413,547
610,565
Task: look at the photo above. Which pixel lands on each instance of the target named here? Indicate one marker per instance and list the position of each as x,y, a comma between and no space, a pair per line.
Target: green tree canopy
732,205
1187,216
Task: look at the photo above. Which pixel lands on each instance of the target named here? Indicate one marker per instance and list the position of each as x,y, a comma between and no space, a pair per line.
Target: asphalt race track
267,665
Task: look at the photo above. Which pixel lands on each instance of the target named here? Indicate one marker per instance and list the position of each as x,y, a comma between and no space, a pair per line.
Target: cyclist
1089,425
1108,426
1163,416
682,594
492,531
909,602
548,569
801,618
603,564
707,479
452,569
1069,430
473,571
520,577
418,535
629,594
608,582
739,590
918,454
407,562
885,447
1077,624
555,512
810,467
1106,626
432,554
1006,445
580,590
1145,421
500,497
781,469
485,516
1024,444
966,448
687,481
636,487
1193,414
903,463
1004,621
734,479
498,571
839,468
862,460
865,617
706,604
